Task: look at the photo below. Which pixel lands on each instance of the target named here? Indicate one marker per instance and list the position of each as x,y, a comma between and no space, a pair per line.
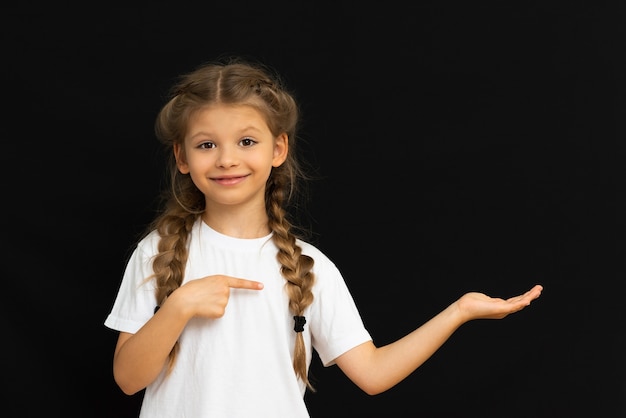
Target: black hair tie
299,323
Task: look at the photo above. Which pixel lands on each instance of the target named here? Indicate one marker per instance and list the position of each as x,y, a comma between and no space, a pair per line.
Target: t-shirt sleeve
337,325
136,300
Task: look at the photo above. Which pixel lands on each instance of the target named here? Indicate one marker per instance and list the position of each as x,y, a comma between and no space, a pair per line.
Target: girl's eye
206,145
246,142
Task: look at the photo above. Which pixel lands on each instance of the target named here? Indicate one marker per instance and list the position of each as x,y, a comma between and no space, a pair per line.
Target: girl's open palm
475,305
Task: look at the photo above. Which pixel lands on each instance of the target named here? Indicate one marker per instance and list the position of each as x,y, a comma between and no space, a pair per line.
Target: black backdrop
459,146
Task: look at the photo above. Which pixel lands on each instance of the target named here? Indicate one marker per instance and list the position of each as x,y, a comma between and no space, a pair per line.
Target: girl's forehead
227,117
242,109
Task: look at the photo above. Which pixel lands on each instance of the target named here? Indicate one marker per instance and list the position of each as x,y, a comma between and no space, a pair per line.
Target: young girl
221,304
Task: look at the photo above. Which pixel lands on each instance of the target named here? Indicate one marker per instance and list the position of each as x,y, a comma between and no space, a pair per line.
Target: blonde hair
232,81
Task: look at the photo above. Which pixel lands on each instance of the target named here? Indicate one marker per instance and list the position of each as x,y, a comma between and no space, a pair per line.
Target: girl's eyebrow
242,130
250,128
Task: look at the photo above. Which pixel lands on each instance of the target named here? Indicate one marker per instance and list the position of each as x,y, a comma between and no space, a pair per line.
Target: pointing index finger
244,284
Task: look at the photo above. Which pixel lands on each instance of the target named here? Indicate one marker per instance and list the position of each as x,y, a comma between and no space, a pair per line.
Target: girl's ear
281,148
181,161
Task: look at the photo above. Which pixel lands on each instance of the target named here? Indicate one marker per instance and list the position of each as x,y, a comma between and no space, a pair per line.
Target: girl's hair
232,81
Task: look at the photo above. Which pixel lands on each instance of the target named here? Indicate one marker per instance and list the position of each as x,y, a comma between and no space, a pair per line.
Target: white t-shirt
239,365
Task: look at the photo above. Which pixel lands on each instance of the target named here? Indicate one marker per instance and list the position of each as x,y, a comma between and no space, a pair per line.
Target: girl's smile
229,180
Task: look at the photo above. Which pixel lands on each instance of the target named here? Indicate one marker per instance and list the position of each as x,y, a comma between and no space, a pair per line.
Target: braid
174,227
295,268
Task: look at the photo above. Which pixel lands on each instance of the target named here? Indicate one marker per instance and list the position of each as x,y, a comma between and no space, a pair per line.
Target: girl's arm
377,369
140,357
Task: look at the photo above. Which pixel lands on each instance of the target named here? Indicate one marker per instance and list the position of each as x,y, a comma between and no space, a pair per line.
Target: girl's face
229,153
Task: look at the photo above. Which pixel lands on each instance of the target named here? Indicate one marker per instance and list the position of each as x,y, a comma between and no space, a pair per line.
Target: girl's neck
237,226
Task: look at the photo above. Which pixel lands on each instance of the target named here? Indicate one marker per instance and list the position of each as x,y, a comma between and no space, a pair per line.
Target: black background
459,147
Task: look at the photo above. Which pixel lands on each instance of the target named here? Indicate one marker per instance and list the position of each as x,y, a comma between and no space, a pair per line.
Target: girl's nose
227,157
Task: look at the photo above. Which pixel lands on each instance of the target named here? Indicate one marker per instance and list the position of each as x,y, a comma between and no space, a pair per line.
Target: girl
221,303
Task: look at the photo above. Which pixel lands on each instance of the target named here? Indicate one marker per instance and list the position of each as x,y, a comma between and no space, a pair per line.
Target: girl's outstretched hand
475,305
